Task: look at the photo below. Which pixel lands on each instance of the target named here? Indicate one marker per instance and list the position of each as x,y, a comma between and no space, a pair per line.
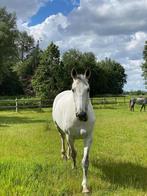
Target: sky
115,29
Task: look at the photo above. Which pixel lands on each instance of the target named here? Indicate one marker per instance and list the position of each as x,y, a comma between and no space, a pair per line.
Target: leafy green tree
25,44
107,76
97,80
26,69
8,47
11,85
46,81
15,47
115,75
144,64
81,61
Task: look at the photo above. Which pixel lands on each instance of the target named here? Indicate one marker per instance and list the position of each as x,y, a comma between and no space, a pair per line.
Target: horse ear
87,73
73,73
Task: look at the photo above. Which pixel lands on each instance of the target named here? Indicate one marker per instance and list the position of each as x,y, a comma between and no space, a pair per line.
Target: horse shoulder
59,97
63,112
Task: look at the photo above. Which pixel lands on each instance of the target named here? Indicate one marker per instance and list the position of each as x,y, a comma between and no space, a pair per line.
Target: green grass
30,162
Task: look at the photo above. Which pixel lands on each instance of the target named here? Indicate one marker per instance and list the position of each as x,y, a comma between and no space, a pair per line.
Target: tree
25,44
115,74
8,47
46,81
80,61
15,48
144,64
26,69
107,76
11,85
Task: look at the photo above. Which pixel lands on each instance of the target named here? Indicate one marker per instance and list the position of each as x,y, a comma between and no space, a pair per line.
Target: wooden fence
109,100
42,103
25,103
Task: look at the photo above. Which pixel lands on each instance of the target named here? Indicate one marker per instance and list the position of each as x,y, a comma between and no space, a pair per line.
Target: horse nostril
82,116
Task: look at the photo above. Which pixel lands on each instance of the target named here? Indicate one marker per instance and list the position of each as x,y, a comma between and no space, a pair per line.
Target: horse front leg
62,135
68,151
71,150
85,163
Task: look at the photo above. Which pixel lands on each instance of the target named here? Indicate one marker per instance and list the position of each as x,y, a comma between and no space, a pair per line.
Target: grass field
30,162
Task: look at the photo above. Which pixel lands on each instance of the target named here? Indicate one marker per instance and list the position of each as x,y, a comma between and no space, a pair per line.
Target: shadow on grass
5,120
1,125
124,174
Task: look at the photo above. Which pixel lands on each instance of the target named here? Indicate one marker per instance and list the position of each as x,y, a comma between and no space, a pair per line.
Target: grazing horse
141,101
74,117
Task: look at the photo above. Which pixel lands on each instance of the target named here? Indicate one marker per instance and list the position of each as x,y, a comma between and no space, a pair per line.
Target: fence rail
25,103
42,103
108,100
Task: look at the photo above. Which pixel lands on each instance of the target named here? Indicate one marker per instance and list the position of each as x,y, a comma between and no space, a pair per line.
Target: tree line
27,69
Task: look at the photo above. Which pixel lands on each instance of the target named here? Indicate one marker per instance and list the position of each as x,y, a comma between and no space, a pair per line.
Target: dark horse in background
140,100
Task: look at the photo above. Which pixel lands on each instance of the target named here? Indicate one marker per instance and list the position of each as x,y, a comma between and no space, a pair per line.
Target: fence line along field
30,161
19,103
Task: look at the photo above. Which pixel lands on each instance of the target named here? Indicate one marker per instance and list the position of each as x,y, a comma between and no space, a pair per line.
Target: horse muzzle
82,116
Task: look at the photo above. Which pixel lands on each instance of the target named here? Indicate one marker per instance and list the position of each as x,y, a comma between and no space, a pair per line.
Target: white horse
74,117
140,100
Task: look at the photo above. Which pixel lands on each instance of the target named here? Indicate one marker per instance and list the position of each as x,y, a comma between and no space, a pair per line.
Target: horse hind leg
62,135
143,106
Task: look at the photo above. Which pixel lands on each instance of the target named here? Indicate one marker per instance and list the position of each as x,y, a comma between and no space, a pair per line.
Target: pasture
30,161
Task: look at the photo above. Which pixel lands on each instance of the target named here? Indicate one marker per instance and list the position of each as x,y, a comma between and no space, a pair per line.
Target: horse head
80,90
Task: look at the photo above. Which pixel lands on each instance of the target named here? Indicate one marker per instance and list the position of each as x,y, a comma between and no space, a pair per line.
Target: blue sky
109,28
52,8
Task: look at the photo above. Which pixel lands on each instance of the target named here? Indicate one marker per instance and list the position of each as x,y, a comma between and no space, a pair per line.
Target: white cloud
137,40
24,9
134,72
107,17
49,30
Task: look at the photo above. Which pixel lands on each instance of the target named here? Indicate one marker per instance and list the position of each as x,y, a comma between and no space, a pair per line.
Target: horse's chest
78,132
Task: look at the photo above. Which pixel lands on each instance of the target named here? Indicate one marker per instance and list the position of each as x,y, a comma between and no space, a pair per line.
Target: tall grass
30,161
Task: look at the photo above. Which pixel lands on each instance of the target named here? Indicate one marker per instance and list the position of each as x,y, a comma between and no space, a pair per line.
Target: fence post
16,101
124,99
104,101
40,104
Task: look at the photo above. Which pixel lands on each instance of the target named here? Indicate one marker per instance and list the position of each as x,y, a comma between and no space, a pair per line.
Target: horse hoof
85,190
64,157
68,157
74,167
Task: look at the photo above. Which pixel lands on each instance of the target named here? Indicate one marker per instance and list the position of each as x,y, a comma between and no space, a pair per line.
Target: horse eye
73,90
88,90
